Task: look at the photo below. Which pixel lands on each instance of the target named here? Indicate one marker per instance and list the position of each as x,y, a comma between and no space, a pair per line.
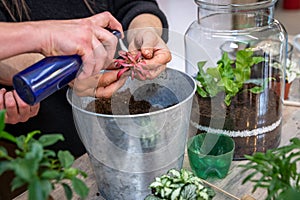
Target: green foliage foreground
38,168
277,171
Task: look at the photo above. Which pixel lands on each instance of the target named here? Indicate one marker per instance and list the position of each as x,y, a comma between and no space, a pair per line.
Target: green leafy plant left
228,76
38,168
277,171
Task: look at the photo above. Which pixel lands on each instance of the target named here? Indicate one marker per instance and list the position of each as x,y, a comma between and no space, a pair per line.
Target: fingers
100,85
104,46
108,91
154,51
150,43
16,109
105,19
2,92
25,110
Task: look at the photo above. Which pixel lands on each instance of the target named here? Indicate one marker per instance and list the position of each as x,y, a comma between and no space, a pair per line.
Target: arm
127,10
86,37
15,64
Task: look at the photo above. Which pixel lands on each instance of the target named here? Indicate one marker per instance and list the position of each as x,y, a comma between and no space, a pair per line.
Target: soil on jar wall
247,111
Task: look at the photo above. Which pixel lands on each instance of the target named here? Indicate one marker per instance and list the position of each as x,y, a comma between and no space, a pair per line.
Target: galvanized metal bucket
128,151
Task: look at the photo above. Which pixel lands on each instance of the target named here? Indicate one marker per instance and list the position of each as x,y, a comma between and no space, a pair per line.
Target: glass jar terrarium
236,51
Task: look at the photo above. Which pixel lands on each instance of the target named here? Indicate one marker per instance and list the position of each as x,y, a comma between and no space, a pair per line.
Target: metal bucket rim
69,92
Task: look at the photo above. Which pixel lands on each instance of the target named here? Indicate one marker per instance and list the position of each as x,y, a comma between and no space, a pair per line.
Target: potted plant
292,71
276,170
236,98
38,168
176,185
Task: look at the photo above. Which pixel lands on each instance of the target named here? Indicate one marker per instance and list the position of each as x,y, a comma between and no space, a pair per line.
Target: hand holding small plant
38,168
229,75
131,62
179,185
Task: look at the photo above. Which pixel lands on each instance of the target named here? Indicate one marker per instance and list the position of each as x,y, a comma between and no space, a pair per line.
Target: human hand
87,37
154,51
103,84
16,109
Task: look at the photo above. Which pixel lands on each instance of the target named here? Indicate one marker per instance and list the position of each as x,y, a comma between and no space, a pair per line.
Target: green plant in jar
39,168
228,76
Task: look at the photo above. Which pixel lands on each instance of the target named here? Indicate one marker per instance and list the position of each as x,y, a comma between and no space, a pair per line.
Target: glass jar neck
209,7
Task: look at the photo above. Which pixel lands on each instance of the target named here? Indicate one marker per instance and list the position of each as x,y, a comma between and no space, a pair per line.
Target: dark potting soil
247,111
122,103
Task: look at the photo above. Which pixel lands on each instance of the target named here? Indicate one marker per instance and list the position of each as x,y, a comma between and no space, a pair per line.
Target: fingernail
148,54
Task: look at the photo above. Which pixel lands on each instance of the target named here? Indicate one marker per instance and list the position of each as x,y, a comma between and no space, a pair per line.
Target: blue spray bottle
50,74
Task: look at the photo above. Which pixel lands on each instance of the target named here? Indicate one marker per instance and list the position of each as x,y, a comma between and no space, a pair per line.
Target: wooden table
232,183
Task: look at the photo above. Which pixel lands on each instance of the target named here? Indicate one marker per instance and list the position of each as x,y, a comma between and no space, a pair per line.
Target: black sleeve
3,17
126,10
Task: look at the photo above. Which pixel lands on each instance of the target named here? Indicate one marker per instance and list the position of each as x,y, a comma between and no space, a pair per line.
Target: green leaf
5,166
25,168
16,183
256,89
151,197
20,141
7,136
50,174
189,192
175,194
31,135
156,184
65,158
82,173
228,76
35,152
69,173
68,191
296,141
39,190
2,118
200,65
50,139
80,188
3,152
49,153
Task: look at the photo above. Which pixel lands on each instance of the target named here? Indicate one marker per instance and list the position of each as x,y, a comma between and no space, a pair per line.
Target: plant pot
128,151
287,86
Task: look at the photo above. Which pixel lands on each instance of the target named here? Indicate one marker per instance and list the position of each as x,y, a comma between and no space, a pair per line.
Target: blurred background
181,13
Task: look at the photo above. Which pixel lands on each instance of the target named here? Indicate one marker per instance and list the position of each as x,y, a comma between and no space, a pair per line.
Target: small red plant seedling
131,62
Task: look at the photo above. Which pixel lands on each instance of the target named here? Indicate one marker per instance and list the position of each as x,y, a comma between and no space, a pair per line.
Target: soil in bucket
137,103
